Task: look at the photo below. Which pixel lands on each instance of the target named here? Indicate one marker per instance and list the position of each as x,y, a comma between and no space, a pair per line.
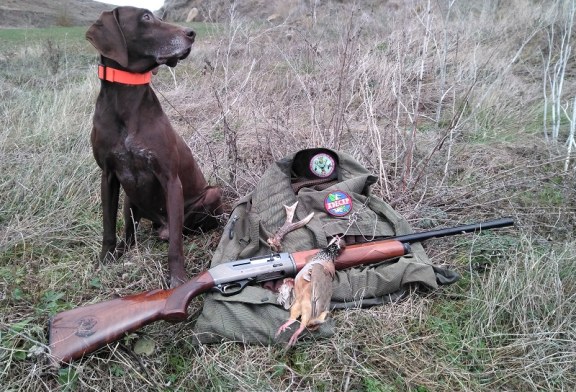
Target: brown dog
134,143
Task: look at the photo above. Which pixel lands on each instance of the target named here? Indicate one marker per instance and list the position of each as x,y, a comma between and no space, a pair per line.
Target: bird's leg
284,327
276,240
294,337
314,324
295,312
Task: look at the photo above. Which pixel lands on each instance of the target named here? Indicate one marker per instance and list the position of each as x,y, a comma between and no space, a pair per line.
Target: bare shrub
53,55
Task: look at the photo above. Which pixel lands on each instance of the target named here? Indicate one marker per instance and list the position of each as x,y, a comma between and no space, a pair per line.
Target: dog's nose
190,34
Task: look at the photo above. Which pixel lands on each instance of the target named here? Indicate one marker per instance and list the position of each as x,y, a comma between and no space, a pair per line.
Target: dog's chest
135,165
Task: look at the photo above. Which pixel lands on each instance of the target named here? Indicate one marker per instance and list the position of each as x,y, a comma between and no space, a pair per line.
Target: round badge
322,165
338,203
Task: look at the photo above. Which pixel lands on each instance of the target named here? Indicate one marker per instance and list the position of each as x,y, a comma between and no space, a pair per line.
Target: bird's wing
321,281
305,272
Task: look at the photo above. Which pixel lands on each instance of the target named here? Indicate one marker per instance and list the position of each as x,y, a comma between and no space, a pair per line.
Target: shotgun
76,332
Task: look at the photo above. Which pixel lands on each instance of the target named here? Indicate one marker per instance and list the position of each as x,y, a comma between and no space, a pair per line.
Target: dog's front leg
175,212
110,192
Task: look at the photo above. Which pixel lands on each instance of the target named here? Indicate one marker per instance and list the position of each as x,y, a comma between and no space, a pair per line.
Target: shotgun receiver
76,332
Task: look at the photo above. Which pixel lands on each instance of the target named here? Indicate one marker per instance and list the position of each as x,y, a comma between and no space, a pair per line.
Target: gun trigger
232,288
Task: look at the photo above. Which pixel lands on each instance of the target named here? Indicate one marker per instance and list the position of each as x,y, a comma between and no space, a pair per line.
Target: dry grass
442,102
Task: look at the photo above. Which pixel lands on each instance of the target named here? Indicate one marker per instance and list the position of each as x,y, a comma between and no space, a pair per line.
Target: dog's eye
147,17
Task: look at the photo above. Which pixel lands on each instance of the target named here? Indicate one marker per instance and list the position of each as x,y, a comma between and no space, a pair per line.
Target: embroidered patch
338,203
322,165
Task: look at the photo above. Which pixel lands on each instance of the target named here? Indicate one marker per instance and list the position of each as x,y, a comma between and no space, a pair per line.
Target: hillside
258,10
45,13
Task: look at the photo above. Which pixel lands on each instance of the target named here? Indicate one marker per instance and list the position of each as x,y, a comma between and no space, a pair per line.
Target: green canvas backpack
336,188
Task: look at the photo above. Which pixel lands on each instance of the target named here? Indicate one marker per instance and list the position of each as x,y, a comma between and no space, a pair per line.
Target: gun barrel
472,228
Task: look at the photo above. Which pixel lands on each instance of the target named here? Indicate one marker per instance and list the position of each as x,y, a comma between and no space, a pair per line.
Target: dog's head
138,41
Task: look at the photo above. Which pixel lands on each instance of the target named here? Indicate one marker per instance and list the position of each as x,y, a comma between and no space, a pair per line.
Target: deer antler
288,226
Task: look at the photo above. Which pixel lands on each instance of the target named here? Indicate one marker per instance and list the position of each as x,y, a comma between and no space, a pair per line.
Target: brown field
464,111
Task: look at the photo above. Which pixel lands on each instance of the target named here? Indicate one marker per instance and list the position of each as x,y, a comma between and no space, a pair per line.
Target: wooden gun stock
80,331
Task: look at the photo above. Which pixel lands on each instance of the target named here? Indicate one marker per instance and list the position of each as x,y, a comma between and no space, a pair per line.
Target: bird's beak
334,240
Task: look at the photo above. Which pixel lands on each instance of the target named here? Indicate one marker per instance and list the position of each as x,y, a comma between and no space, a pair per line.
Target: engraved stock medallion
86,326
338,203
322,165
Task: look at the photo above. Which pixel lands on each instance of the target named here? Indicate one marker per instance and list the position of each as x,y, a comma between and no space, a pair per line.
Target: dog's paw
164,233
106,257
122,248
110,256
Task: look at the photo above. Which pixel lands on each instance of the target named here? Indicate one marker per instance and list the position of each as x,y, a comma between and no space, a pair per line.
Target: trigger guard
232,288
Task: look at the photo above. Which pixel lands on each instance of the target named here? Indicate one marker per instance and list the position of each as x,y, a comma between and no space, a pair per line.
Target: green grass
17,37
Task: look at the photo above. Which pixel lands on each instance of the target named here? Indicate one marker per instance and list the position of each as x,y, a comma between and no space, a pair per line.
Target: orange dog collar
117,76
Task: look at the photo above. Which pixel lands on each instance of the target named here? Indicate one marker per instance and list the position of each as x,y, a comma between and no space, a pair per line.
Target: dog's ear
106,36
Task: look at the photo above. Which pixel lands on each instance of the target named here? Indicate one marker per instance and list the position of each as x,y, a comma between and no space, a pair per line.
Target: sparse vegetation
443,101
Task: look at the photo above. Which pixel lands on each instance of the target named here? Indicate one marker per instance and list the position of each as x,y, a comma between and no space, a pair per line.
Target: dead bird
313,291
